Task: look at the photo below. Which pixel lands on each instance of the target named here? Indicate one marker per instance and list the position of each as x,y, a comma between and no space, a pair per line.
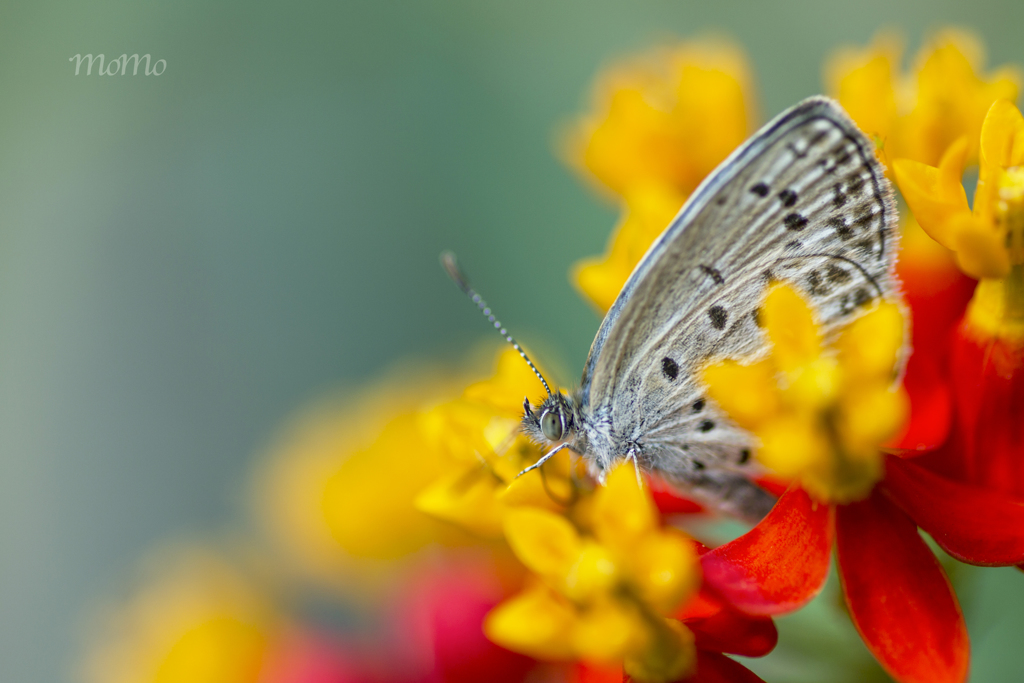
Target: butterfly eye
551,425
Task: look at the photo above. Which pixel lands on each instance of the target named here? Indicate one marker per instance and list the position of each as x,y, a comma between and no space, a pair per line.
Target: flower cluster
429,559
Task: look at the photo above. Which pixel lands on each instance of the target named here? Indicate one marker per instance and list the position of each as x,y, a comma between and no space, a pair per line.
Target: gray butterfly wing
803,201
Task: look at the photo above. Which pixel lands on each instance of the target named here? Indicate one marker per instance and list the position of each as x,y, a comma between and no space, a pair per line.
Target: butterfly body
804,201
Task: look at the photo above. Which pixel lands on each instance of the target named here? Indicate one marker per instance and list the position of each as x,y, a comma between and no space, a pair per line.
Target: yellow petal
221,650
648,210
789,321
504,391
666,570
749,393
607,630
1001,135
846,480
952,96
368,502
872,415
545,542
935,195
553,490
862,81
467,497
537,622
670,656
979,248
990,314
623,511
791,445
871,345
666,117
594,573
1002,146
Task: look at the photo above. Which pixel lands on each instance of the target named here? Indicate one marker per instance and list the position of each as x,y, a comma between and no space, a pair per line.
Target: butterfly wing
804,201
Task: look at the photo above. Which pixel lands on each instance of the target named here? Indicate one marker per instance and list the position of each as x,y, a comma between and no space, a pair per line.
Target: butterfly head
552,422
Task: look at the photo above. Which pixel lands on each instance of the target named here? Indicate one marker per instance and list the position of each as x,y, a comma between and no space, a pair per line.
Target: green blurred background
186,259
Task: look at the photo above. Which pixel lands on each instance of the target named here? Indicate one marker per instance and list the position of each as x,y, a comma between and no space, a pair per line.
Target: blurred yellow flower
198,619
819,413
988,240
334,491
648,211
917,115
607,576
479,435
665,117
660,122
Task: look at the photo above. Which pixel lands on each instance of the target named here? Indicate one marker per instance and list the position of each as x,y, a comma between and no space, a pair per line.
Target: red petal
778,565
931,406
972,524
988,383
772,484
937,294
898,595
713,667
592,673
668,501
716,668
735,633
721,629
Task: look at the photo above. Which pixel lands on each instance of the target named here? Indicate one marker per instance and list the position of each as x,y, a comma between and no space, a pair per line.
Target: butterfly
804,201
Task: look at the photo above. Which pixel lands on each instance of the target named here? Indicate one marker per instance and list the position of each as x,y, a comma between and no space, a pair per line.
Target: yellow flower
479,436
335,490
666,117
607,576
198,619
819,413
660,123
648,211
988,240
917,115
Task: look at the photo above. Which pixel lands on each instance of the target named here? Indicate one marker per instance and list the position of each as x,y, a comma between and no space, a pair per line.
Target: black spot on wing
838,223
719,316
698,405
837,275
787,197
838,196
706,426
670,368
815,286
761,190
795,221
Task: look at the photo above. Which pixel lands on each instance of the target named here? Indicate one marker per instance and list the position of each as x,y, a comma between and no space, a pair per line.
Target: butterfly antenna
448,261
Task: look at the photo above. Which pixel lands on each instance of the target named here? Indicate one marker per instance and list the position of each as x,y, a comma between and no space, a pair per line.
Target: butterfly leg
547,456
631,454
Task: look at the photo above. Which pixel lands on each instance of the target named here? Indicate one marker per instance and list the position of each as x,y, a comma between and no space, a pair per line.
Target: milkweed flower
986,351
917,114
822,415
614,586
198,618
484,450
660,122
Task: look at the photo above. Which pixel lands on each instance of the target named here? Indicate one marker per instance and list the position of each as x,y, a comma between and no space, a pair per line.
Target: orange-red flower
821,418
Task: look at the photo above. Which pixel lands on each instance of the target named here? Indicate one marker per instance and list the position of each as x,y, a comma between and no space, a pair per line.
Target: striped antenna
452,268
